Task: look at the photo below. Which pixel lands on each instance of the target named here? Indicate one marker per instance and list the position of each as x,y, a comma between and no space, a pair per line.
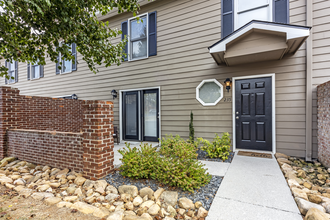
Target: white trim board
272,75
120,110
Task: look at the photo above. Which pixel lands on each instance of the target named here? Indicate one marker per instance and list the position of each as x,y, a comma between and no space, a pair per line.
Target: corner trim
272,75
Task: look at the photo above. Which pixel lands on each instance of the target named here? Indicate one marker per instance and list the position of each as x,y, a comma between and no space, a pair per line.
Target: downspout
309,92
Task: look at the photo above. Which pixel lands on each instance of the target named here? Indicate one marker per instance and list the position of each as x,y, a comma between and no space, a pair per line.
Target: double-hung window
35,71
141,35
247,10
67,65
237,13
12,72
138,37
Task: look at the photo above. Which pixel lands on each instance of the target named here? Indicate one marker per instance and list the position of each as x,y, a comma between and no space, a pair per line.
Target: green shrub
177,147
138,163
219,148
174,164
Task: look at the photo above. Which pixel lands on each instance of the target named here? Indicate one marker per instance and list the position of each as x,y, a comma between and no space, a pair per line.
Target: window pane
67,66
35,72
138,29
11,66
210,92
248,4
258,14
11,74
139,49
150,114
131,116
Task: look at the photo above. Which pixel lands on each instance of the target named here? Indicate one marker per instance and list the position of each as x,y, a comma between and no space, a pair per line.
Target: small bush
220,147
174,164
177,147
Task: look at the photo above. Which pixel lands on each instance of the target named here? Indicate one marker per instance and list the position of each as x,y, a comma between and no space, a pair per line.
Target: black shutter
281,11
74,53
124,30
28,71
153,33
57,71
6,65
227,17
41,68
16,71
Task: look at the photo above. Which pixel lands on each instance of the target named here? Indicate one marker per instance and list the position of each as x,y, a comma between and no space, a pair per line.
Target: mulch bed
202,155
204,194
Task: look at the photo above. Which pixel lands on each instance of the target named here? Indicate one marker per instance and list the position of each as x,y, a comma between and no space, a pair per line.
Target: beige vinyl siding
185,29
321,55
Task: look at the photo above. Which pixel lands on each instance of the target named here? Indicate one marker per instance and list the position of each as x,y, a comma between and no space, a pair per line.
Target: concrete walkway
254,188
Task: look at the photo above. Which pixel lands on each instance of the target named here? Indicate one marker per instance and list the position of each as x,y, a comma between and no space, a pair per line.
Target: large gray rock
52,200
25,193
146,191
100,185
88,184
316,214
111,197
158,193
133,190
186,203
326,205
41,195
4,180
304,206
202,213
170,197
111,189
80,180
84,207
299,193
154,209
137,201
62,173
117,215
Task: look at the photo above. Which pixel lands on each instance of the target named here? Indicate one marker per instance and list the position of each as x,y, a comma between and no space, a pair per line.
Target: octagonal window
209,92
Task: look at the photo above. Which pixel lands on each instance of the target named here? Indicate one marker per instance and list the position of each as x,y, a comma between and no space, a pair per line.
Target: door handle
237,117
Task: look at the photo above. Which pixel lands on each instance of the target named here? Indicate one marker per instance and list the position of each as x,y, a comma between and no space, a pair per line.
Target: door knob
237,117
237,113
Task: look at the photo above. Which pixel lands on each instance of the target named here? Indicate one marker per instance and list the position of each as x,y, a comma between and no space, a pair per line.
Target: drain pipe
309,92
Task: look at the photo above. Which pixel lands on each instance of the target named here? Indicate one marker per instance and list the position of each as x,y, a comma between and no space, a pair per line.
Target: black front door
253,115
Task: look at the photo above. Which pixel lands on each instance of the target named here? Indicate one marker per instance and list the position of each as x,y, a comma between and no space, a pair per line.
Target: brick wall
56,149
43,113
323,120
63,133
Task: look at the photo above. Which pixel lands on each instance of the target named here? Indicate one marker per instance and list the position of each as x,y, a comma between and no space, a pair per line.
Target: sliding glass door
141,115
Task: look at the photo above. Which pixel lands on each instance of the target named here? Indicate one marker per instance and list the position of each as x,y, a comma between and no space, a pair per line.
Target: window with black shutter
141,35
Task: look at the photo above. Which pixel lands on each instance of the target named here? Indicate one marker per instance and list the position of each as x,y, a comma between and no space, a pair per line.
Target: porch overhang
259,41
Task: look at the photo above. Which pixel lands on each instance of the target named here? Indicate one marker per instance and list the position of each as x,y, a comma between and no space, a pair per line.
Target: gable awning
259,41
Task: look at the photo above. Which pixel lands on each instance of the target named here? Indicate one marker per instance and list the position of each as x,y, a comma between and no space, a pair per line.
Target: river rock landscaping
65,188
309,184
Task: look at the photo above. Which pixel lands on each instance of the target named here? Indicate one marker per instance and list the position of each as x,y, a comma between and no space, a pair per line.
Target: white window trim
60,59
201,84
272,75
236,12
129,38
